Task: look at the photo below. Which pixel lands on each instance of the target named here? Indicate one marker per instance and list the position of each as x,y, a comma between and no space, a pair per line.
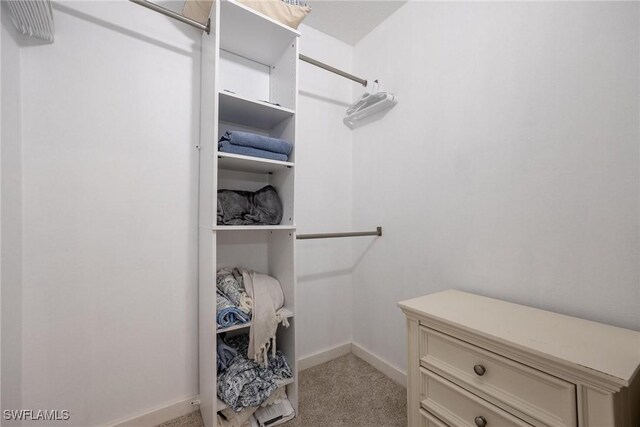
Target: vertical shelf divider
210,59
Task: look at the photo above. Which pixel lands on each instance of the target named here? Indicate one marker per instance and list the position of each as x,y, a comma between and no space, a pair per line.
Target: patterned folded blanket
229,282
227,314
245,383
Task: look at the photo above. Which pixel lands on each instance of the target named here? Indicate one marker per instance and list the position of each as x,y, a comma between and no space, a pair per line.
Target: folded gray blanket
266,143
262,207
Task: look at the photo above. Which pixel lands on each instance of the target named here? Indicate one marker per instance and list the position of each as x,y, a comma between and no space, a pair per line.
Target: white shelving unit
249,83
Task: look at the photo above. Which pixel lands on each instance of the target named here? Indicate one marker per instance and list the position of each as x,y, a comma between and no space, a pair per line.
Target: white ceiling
349,20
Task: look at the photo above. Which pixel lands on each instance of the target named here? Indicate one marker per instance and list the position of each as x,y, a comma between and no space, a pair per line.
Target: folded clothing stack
227,313
233,305
251,144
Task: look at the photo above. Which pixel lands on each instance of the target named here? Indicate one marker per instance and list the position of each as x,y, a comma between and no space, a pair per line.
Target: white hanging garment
32,18
370,102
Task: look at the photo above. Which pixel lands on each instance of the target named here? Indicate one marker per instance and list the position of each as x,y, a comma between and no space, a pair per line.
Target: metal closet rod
207,28
378,232
344,74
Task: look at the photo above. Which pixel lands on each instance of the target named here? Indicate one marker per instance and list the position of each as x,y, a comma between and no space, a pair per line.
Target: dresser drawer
428,420
547,400
457,407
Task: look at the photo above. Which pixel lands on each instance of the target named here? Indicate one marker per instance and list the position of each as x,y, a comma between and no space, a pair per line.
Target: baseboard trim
342,350
160,415
323,356
381,365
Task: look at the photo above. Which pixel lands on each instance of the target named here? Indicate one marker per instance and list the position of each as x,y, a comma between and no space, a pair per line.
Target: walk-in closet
319,213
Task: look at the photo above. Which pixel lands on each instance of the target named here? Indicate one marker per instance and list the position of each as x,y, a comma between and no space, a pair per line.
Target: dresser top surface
606,349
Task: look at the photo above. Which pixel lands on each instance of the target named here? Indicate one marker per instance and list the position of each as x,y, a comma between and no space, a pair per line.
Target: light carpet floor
345,392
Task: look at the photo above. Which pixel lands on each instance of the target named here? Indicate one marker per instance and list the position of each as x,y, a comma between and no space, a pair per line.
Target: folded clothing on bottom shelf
275,414
233,422
245,383
246,418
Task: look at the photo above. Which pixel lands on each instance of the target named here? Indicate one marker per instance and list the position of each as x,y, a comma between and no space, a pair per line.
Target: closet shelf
221,405
287,313
248,33
249,112
237,162
253,227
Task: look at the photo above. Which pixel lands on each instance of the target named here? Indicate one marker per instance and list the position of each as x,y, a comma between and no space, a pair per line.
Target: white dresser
476,361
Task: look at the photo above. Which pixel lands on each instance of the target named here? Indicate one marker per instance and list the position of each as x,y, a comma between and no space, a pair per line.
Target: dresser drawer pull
480,370
481,421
